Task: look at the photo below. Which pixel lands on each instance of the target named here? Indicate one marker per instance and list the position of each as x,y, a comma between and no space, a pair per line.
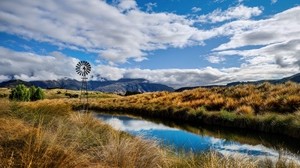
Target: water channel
198,139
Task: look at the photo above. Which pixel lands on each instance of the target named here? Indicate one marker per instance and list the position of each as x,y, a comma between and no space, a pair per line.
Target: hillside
120,86
294,78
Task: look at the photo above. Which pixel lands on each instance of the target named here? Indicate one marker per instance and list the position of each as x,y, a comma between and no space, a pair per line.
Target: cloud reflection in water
181,139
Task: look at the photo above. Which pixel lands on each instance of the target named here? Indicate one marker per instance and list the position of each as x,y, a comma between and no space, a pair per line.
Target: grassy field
49,133
265,107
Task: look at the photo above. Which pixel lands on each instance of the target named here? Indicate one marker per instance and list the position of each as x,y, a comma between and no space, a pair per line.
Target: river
198,139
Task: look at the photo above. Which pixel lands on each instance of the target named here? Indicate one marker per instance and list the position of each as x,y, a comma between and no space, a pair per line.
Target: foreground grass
265,107
49,134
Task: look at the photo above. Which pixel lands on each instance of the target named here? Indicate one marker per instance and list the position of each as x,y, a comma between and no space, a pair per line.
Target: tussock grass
216,160
248,106
59,137
48,134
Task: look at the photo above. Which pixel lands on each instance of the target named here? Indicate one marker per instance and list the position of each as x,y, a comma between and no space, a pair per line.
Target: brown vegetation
264,107
48,133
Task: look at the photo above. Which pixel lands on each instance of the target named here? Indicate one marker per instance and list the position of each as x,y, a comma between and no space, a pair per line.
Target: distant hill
120,86
293,78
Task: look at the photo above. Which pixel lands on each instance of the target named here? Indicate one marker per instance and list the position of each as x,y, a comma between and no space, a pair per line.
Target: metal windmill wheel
83,68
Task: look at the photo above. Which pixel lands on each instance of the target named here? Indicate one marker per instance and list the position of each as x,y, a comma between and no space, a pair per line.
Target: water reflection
181,139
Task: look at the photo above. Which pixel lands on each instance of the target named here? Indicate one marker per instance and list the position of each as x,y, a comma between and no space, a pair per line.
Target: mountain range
294,78
124,86
121,86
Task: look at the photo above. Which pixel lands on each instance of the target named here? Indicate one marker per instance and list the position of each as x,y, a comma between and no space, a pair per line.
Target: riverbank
266,108
48,133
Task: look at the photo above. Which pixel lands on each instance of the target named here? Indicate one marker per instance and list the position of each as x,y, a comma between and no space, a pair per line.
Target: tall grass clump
68,139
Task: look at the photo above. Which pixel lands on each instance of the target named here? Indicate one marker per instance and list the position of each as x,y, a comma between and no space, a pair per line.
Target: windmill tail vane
83,68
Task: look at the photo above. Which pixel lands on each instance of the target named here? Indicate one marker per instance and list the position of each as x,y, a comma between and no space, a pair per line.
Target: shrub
36,93
228,115
22,93
72,95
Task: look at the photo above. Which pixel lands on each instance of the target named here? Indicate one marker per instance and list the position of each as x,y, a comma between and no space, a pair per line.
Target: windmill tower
83,68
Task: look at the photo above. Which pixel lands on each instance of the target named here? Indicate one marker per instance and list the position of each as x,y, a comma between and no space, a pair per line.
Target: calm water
202,139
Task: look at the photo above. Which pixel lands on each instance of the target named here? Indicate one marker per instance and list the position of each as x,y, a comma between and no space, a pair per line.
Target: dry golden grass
48,133
245,110
282,98
246,106
61,138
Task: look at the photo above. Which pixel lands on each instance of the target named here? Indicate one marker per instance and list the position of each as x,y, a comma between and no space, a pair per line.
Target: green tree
38,94
32,91
20,93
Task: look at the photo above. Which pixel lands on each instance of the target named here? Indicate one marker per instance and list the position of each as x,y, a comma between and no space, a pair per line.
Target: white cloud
282,27
171,77
133,124
195,9
215,59
125,5
117,33
121,32
237,12
273,1
276,42
150,6
28,66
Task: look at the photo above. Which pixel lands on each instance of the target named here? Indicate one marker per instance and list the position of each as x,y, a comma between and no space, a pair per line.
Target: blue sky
174,42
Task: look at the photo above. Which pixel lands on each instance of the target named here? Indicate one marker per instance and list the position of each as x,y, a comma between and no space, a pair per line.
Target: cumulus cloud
232,13
195,9
116,32
282,27
172,77
273,1
215,59
150,6
121,32
125,5
28,66
275,46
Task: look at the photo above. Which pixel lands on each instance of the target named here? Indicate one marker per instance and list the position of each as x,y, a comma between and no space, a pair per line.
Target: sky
174,42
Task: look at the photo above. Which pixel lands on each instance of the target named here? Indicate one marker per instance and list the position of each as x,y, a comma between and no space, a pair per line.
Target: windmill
83,68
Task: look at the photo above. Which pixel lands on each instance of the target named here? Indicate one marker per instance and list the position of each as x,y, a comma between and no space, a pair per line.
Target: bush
22,93
72,95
